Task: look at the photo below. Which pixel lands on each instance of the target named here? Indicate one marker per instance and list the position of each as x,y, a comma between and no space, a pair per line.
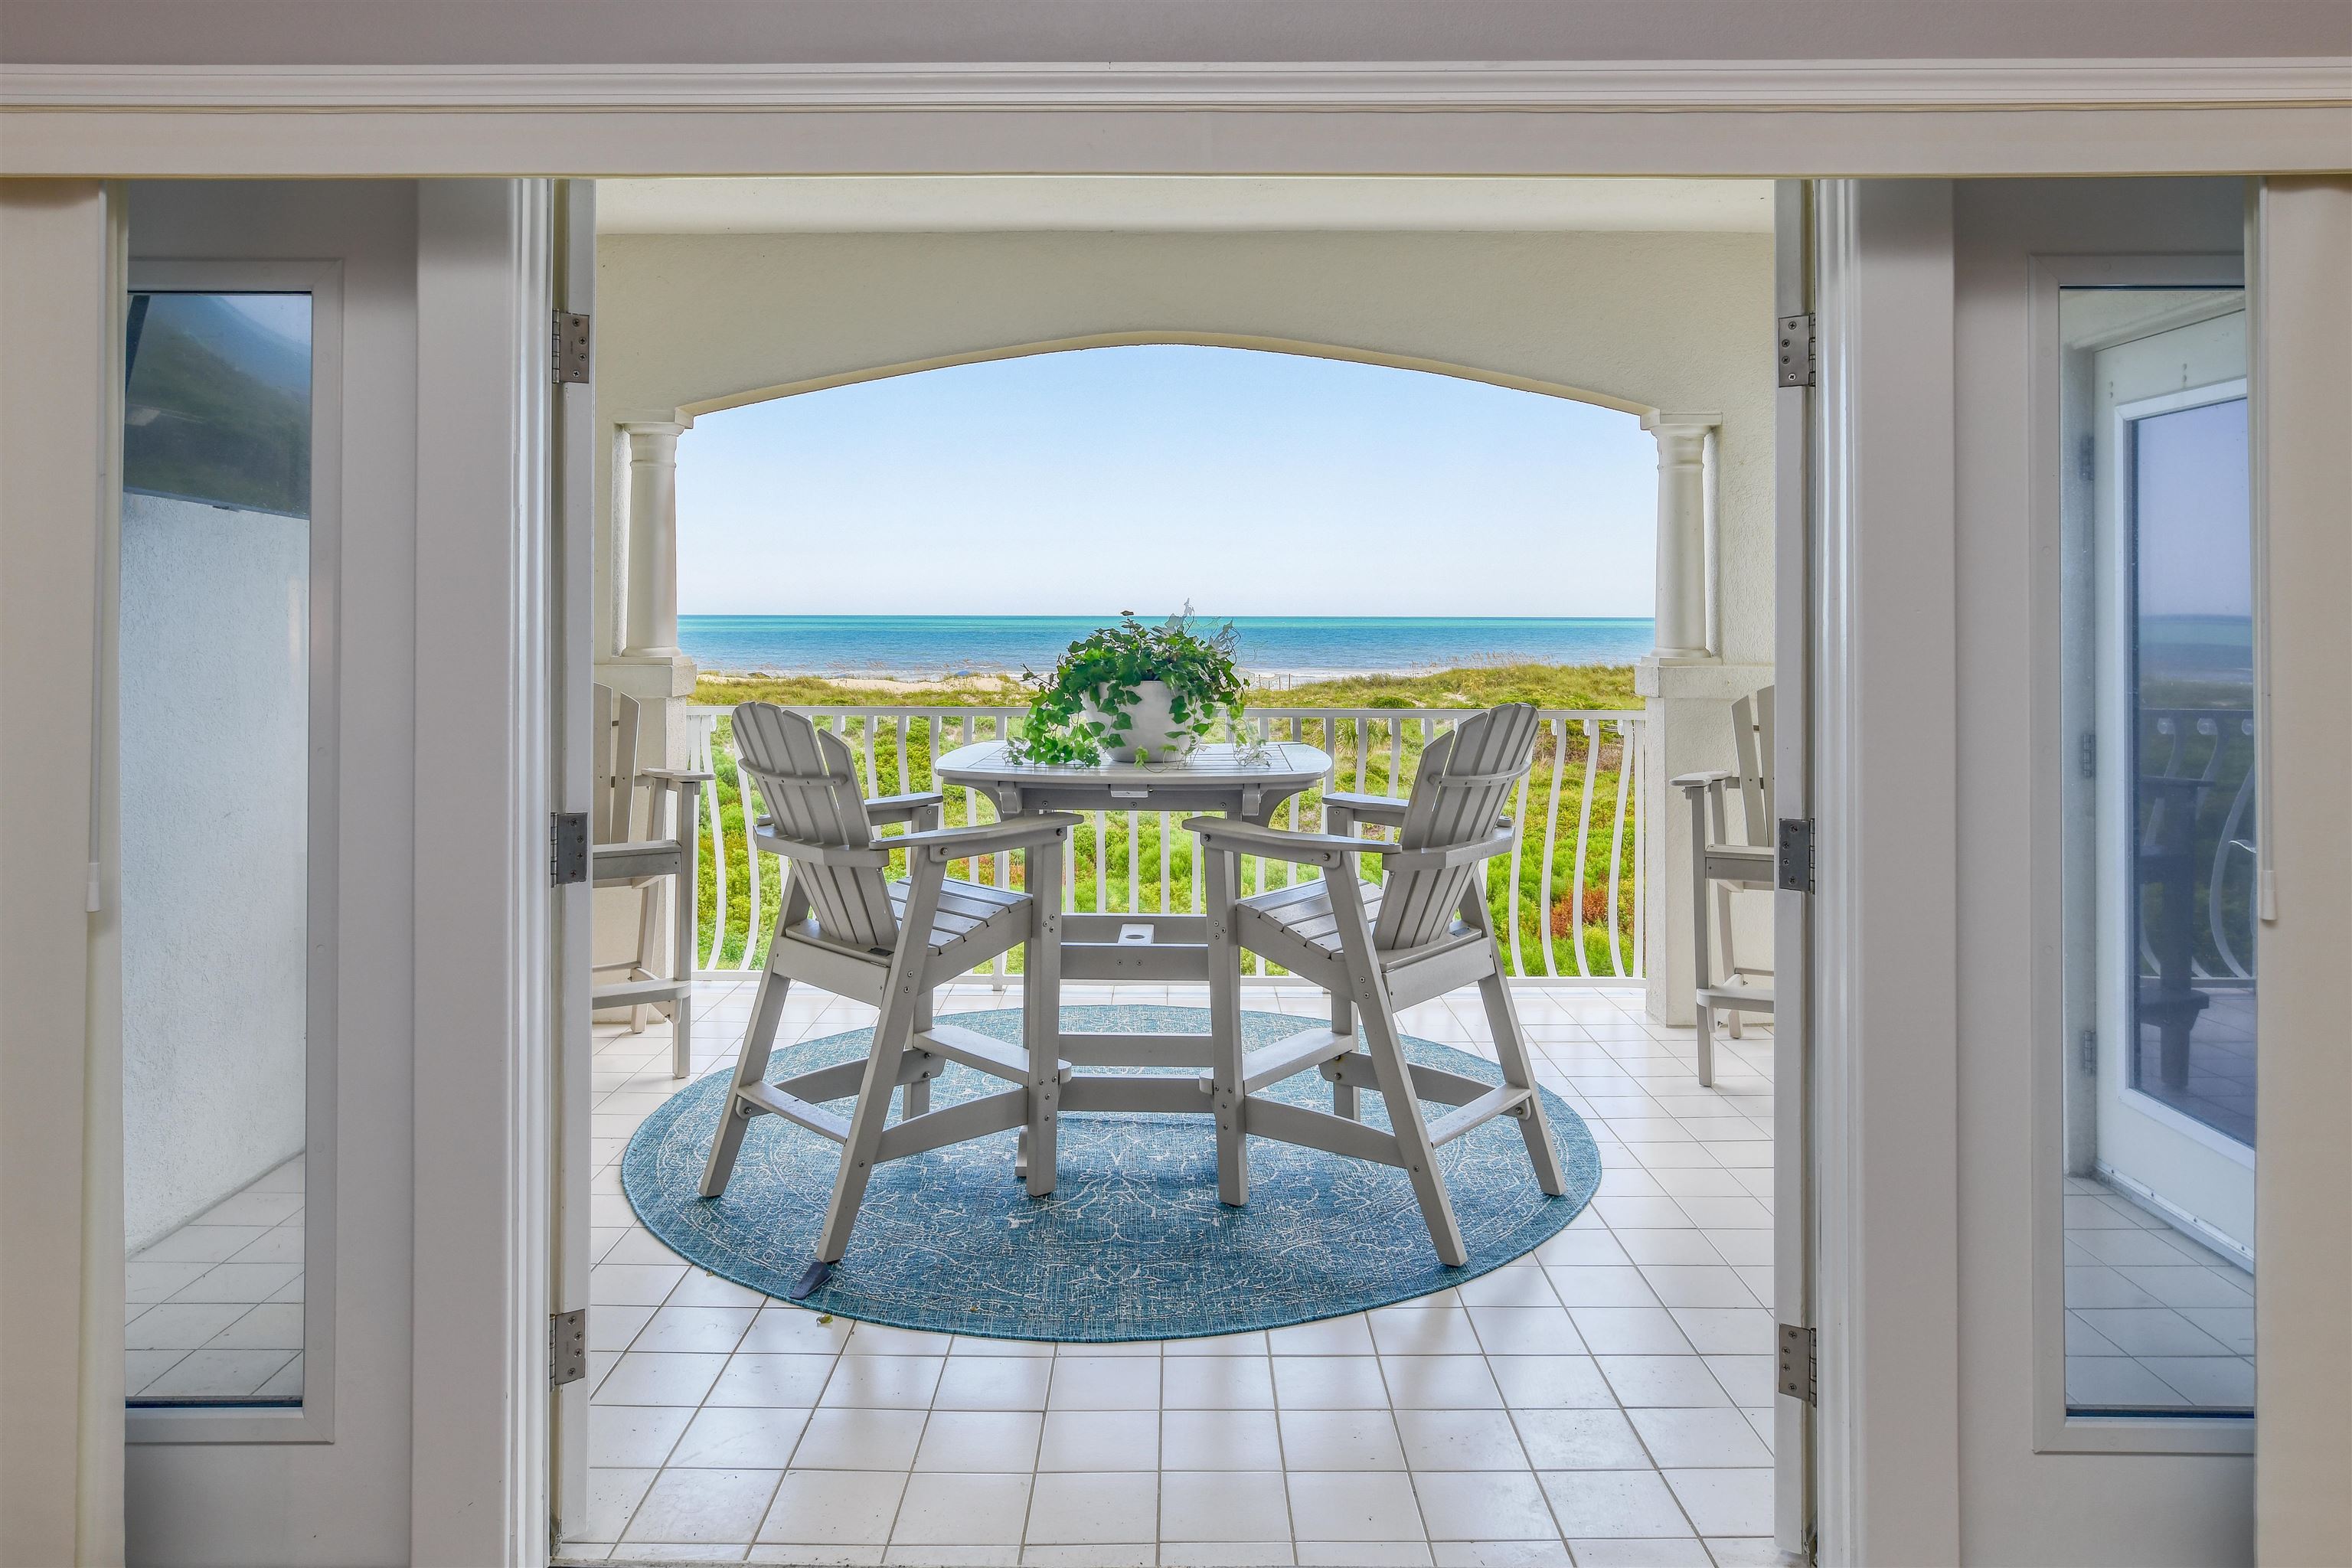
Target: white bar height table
1140,945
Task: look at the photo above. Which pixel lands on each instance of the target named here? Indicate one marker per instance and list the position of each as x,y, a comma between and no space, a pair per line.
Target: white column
1687,691
1682,587
653,538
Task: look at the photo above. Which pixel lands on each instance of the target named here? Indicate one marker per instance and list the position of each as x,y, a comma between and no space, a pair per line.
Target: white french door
2171,815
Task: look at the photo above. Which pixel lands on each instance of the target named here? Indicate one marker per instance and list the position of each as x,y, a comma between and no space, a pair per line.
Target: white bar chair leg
1041,1021
1226,1031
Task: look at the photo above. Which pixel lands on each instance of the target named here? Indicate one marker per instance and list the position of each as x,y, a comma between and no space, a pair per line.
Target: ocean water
929,645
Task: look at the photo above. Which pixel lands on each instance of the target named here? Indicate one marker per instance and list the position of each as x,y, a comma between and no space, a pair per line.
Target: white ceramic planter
1148,725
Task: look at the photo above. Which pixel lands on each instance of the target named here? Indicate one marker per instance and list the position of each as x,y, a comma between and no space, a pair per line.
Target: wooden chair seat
970,913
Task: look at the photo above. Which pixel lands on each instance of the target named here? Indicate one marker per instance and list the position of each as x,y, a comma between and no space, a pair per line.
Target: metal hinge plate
1796,335
1800,1377
567,848
567,1347
571,348
1792,855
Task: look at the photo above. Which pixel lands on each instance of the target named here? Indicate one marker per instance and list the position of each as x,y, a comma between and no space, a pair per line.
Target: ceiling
933,203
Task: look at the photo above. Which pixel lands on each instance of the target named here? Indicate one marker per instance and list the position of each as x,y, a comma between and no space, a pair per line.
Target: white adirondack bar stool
1420,933
652,854
843,926
1720,867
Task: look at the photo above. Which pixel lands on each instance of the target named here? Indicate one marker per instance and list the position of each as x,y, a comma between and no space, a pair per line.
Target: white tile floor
2155,1319
215,1310
1604,1401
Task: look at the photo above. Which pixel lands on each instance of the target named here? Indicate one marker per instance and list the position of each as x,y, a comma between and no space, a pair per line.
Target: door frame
1885,1136
1794,1478
572,650
2054,1430
1761,118
314,1420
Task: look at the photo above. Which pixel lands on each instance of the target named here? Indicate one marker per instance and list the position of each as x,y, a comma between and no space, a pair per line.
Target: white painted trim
314,1421
61,1487
1978,84
572,677
484,975
1885,1020
1794,1438
2301,245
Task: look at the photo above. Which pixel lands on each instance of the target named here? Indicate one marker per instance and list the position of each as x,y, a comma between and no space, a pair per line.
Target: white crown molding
1685,86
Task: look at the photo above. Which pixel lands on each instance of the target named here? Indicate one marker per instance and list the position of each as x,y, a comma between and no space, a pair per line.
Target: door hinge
2086,459
1800,1371
567,1347
2089,1048
2087,759
1796,333
567,848
571,348
1792,859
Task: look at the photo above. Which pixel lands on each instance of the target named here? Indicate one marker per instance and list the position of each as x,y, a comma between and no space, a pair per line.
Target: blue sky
1139,477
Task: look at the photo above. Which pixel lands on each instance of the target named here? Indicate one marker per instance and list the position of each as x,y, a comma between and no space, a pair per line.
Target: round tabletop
1245,781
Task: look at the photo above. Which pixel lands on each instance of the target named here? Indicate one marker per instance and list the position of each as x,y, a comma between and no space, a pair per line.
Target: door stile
573,1056
1792,924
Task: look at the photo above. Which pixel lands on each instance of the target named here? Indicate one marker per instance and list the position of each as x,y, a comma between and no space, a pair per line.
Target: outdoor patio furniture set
847,927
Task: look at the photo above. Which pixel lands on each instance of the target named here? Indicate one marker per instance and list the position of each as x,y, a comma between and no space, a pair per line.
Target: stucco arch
685,412
1659,325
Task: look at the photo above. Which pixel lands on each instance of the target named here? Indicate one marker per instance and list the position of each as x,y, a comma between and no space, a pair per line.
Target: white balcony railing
1568,895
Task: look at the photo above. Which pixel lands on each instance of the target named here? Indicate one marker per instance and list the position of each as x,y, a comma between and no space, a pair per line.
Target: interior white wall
215,776
507,31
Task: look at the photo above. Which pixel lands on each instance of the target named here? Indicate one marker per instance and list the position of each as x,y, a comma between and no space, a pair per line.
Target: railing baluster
1583,827
1551,840
1517,858
1338,730
1616,841
1628,783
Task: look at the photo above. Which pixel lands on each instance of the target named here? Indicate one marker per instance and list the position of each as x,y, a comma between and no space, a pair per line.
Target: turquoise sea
919,646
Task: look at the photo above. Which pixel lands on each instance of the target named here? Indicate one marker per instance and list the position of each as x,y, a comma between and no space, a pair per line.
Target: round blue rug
1133,1243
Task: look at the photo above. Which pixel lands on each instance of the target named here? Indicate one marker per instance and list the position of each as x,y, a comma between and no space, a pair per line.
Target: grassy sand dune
1478,686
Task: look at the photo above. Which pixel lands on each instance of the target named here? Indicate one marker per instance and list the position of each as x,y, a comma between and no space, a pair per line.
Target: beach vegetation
1138,862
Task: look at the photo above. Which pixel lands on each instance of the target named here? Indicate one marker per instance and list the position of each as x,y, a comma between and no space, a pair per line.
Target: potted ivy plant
1134,692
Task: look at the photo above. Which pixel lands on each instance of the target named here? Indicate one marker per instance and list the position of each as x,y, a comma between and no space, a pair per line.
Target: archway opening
1354,518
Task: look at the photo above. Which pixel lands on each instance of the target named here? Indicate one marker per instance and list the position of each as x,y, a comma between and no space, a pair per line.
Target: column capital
1680,428
652,440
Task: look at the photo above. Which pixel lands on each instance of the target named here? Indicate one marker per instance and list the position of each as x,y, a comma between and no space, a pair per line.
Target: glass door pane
216,747
2161,972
